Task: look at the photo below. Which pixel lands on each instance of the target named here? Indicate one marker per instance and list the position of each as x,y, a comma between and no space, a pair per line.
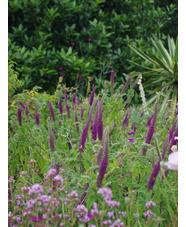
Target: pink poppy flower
62,76
72,43
172,161
89,39
60,68
130,133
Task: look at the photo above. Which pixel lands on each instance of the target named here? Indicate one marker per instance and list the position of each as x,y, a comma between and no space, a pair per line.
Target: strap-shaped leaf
167,96
176,51
143,55
171,47
165,55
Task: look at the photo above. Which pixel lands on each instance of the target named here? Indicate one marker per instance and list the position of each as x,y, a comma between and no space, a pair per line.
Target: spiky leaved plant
164,70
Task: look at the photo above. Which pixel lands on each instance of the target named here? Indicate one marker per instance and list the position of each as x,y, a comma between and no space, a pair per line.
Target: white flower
172,161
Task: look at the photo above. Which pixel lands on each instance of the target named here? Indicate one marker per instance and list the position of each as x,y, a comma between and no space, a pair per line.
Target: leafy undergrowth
90,162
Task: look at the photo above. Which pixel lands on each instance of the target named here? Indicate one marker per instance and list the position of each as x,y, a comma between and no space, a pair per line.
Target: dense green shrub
46,35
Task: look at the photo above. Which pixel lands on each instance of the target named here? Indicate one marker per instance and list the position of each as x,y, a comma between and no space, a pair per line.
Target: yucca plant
163,70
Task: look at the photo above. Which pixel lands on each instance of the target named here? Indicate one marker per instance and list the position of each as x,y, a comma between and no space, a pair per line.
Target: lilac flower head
150,204
58,180
112,204
110,214
117,223
36,188
19,116
149,214
52,111
106,193
107,222
94,211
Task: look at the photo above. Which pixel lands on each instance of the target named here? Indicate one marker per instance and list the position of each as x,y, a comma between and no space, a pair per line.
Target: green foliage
41,35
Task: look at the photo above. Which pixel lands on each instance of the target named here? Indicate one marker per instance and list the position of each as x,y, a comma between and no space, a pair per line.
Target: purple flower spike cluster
52,111
92,96
36,114
150,132
19,116
124,88
104,161
60,105
76,121
112,82
126,120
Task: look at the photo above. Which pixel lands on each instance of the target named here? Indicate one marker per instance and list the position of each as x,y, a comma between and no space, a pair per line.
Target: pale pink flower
172,161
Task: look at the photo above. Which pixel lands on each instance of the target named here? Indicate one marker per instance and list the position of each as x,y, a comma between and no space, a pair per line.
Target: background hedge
47,34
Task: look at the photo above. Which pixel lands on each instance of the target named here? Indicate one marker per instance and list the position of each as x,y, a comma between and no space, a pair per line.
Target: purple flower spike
22,104
100,154
51,140
131,140
94,126
74,98
133,127
76,120
100,121
134,84
124,88
130,133
92,96
82,111
68,111
26,107
153,176
103,165
60,103
66,97
85,133
19,116
150,132
52,112
112,82
36,114
171,131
